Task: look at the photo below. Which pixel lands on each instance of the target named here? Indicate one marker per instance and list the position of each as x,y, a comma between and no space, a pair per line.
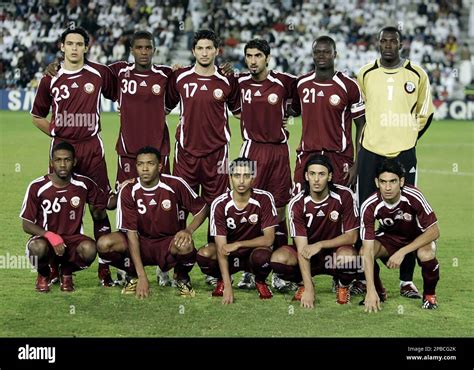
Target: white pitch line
444,145
448,173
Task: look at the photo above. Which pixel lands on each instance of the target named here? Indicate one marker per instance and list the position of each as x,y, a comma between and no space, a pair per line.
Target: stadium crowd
31,28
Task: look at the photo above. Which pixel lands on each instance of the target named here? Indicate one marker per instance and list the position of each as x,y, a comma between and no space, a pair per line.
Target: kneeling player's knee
280,256
98,214
38,247
426,253
261,256
104,244
87,250
207,252
186,248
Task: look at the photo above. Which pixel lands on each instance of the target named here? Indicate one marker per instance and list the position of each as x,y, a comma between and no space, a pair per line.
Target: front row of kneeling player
323,222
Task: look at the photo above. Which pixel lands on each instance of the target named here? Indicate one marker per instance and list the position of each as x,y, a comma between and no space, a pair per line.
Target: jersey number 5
141,207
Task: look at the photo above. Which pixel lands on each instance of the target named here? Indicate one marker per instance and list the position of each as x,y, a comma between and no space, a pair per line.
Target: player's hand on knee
395,260
183,238
56,242
309,251
230,247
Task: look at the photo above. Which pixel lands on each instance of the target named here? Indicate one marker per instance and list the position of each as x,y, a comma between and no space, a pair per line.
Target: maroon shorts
70,252
323,263
390,245
340,164
273,169
127,169
90,156
209,172
154,252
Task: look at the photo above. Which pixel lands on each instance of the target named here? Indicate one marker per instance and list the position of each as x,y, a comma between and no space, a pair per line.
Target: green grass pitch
446,176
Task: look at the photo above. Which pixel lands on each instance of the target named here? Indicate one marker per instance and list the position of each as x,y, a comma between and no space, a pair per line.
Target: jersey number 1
390,92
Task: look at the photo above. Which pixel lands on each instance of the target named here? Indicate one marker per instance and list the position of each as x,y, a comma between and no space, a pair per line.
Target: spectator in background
465,67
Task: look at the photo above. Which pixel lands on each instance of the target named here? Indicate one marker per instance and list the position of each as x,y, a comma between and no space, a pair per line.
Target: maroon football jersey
242,224
141,98
334,216
61,210
74,99
203,126
327,110
263,106
402,222
154,212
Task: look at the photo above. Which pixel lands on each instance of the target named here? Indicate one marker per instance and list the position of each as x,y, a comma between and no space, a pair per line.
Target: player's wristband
53,239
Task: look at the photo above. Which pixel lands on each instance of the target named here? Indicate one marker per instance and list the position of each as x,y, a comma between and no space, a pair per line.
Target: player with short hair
324,225
205,94
203,135
141,97
73,96
329,101
263,98
150,231
399,110
407,224
52,212
242,222
141,89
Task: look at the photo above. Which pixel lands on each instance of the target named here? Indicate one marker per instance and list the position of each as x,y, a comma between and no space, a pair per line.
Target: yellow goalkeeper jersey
398,105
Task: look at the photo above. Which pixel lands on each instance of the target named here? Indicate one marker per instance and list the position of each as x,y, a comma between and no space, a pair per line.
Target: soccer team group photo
213,165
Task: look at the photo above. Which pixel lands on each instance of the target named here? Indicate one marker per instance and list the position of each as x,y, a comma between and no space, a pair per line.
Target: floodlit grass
446,177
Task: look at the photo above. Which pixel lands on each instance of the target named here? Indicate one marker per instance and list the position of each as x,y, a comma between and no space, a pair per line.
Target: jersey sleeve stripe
25,199
308,78
290,214
193,193
272,199
426,228
419,196
363,209
426,101
212,221
119,208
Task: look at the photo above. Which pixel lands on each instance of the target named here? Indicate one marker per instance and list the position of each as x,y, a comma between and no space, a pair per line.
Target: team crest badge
166,205
218,94
253,218
273,98
75,201
156,89
409,87
334,99
89,88
334,215
407,217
